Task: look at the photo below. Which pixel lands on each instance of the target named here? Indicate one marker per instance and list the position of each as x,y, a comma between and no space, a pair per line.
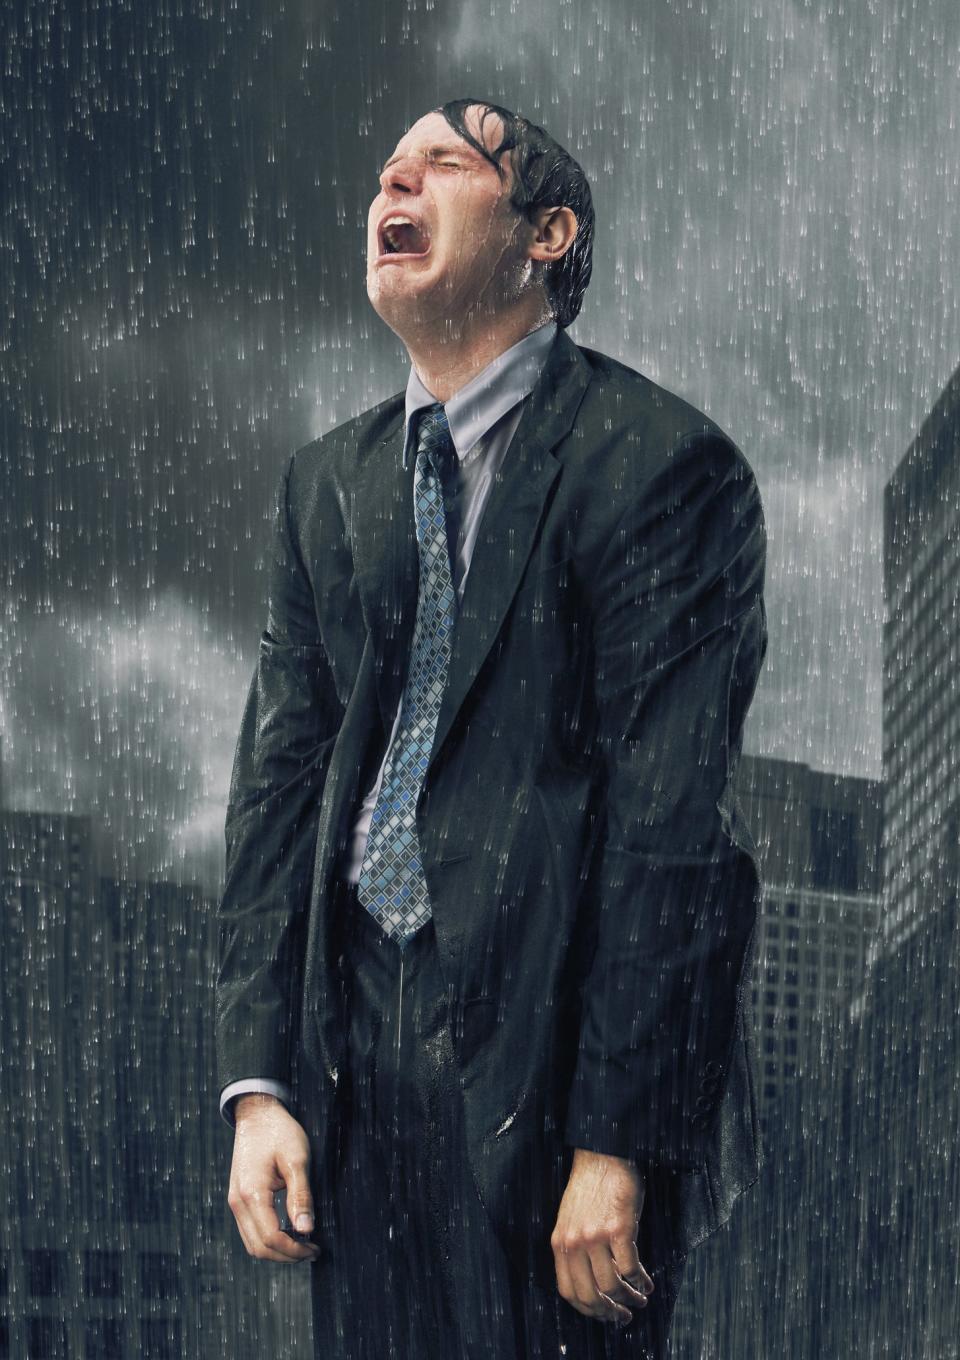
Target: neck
446,364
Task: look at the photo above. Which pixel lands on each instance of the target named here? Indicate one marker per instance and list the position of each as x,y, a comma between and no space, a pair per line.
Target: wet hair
544,175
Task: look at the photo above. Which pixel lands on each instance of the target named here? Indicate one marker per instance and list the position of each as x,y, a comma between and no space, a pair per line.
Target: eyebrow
449,149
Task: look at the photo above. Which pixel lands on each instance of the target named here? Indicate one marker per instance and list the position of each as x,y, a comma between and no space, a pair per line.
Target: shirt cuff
267,1085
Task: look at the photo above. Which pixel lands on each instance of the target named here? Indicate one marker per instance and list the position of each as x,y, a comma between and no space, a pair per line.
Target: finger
248,1232
610,1286
588,1293
241,1229
568,1287
273,1243
565,1282
245,1225
299,1195
611,1280
627,1262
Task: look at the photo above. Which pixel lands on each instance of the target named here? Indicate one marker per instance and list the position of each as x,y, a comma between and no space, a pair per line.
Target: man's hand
270,1151
595,1239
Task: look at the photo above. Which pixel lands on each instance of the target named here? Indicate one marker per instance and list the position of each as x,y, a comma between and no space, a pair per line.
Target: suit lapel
385,562
385,546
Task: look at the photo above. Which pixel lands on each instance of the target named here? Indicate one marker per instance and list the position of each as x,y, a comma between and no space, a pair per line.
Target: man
489,909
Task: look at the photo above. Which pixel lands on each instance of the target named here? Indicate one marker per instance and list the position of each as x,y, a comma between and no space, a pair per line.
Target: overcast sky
183,304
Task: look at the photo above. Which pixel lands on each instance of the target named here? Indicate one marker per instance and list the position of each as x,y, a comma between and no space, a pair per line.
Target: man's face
465,248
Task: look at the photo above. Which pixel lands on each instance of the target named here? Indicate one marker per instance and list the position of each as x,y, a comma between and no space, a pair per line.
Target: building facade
921,654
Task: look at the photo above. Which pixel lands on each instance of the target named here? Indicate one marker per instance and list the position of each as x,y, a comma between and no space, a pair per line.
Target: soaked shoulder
623,399
351,438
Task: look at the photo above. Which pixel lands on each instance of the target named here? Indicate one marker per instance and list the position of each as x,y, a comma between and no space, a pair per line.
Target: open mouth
401,237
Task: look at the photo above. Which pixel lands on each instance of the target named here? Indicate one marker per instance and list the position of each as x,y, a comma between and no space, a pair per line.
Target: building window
46,1273
46,1338
104,1339
209,1277
833,848
160,1339
159,1275
102,1275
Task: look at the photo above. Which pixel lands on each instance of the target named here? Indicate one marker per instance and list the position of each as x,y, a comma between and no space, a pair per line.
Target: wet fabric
419,1271
392,886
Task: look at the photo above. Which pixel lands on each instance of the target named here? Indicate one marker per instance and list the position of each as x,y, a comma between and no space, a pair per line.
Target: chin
398,304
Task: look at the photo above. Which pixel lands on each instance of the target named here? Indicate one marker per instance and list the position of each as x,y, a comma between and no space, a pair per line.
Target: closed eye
448,165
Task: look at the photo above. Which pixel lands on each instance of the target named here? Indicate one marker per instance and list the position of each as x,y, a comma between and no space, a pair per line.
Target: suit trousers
418,1272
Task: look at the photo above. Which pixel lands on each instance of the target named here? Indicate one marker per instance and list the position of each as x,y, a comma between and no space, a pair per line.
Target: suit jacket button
712,1068
701,1118
709,1084
703,1103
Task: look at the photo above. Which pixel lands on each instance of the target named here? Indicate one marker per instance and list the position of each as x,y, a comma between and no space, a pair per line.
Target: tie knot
435,440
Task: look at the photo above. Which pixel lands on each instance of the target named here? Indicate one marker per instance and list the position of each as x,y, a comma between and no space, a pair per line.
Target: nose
403,176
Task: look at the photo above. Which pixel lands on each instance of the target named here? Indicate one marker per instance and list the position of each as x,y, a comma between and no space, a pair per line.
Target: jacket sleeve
680,637
287,730
236,1089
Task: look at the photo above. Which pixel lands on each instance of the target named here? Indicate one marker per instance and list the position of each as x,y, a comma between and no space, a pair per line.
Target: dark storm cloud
776,194
129,721
776,200
183,301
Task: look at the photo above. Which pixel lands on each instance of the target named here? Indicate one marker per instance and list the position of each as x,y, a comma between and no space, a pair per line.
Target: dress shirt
483,417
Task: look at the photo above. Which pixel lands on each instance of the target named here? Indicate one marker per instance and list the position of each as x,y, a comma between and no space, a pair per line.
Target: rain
183,307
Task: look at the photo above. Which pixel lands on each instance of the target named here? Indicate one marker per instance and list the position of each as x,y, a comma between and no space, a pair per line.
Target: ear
552,233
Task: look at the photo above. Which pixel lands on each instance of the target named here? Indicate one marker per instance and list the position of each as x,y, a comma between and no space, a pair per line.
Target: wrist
251,1100
583,1156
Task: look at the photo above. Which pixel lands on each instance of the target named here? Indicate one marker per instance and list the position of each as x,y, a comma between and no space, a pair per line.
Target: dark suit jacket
594,886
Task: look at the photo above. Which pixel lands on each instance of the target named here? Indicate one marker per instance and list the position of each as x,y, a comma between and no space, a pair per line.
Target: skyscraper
921,693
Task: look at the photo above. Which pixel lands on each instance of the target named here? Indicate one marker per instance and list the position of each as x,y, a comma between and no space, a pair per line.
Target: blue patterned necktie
392,886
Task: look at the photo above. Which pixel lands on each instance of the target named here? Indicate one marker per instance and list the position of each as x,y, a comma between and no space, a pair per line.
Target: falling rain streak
183,305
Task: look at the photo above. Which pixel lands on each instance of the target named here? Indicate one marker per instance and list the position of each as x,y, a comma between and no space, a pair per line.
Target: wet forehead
432,132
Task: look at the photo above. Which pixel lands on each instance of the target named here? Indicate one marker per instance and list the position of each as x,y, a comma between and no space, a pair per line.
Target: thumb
299,1198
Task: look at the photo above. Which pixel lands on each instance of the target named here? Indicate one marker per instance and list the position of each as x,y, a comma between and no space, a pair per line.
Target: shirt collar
474,410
